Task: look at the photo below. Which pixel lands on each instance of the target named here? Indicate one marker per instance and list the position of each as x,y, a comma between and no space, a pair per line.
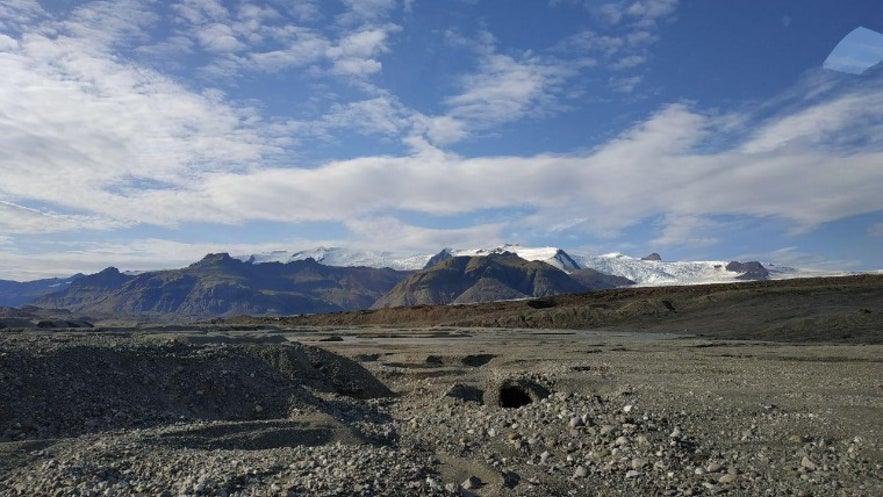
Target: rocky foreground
463,412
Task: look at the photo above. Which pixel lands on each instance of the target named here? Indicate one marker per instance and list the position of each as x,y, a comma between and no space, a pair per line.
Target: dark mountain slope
480,279
85,291
596,280
16,293
219,285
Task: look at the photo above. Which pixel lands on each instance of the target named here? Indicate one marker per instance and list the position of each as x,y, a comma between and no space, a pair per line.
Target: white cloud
108,24
219,37
505,89
623,40
24,220
356,67
80,130
305,47
263,38
201,11
629,62
796,258
64,259
502,89
625,85
444,130
650,169
7,44
643,13
147,147
651,10
375,233
838,120
380,115
366,11
16,14
685,231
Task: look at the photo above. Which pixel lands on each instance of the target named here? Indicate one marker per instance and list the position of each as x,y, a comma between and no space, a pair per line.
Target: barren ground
606,413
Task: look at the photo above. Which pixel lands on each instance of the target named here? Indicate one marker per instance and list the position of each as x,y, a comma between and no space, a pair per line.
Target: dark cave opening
513,396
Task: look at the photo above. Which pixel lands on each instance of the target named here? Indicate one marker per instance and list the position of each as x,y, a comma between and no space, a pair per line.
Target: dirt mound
58,387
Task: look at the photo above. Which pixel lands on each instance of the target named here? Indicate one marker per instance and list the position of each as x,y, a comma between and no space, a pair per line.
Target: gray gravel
601,418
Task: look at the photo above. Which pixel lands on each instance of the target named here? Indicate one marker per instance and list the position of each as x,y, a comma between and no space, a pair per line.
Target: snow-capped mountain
644,272
553,256
339,256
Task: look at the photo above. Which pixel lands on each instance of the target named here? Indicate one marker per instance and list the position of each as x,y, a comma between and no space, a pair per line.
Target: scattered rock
471,483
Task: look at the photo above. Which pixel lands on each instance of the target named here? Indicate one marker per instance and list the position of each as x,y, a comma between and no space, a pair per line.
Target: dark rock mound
28,317
477,360
749,270
652,257
65,387
592,279
466,393
440,257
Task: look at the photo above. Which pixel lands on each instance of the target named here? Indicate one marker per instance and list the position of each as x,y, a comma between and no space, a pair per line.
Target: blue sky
144,134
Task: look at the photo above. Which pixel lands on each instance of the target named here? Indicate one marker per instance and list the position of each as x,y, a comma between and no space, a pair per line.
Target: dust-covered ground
436,412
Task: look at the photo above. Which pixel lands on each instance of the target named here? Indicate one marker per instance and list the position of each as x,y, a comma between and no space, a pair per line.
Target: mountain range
334,279
651,270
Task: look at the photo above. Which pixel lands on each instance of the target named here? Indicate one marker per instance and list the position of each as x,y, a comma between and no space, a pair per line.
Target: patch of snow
339,256
553,256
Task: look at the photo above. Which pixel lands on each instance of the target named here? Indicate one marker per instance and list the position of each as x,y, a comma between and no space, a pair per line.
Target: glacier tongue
659,273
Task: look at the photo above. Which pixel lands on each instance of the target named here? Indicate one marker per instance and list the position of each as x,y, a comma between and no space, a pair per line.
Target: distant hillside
465,279
16,293
219,285
839,309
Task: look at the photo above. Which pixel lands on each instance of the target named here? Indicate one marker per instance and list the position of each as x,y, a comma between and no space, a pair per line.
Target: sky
144,134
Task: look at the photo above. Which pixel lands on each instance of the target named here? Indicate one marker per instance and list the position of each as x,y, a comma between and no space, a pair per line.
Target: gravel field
436,412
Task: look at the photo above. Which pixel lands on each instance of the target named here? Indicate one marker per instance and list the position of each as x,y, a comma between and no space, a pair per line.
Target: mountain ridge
219,285
650,270
470,279
222,285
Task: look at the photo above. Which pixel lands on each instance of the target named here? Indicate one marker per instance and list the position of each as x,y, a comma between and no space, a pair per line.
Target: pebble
471,483
727,478
807,463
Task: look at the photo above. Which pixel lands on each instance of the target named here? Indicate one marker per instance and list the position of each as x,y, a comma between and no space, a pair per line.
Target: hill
16,293
836,309
464,279
219,285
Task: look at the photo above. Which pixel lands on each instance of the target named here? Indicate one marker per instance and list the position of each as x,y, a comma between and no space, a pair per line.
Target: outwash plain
760,388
